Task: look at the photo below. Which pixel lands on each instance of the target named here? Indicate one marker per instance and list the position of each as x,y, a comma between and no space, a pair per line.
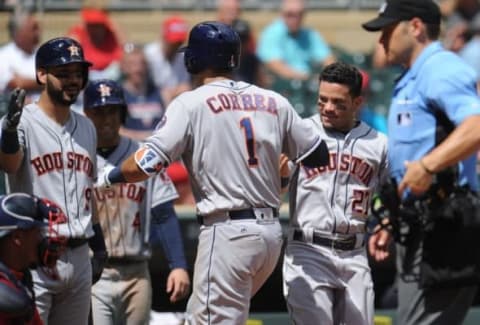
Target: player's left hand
416,178
178,284
378,244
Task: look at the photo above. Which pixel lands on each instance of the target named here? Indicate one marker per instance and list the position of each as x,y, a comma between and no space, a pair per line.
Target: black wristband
9,141
97,242
116,176
284,181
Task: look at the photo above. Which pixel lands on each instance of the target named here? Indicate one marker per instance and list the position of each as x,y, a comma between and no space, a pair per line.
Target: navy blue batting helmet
60,51
212,45
20,211
103,92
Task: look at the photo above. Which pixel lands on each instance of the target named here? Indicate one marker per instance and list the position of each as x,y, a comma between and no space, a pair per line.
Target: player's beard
59,96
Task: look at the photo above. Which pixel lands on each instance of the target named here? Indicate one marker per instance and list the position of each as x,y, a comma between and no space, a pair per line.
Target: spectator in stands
250,69
366,113
458,20
164,60
471,51
101,42
144,102
17,67
228,11
145,109
290,50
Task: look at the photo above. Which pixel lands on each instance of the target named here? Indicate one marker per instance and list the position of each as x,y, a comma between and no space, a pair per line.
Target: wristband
429,171
9,142
115,176
97,242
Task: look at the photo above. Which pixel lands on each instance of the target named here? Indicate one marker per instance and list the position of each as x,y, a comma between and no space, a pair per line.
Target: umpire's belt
344,243
253,213
76,242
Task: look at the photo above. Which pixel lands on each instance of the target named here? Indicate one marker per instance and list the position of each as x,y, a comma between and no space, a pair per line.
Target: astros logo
148,161
74,50
105,91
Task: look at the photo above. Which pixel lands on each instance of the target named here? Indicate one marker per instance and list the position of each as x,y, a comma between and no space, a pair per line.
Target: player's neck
58,113
208,80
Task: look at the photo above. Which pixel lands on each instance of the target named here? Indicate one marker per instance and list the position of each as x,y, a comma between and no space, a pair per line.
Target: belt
238,215
344,244
76,242
125,260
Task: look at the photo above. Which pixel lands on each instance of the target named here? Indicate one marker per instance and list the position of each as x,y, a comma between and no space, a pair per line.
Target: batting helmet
103,92
60,51
212,45
19,211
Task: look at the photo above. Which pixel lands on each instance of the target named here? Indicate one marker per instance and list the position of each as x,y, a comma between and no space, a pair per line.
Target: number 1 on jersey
246,124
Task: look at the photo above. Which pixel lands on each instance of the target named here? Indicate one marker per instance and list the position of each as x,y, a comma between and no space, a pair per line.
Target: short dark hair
433,31
344,74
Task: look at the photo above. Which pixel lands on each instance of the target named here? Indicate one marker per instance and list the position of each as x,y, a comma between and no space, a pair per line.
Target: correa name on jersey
357,167
244,102
133,192
54,161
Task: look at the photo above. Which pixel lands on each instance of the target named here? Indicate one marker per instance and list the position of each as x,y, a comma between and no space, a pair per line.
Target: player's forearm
460,144
165,220
10,163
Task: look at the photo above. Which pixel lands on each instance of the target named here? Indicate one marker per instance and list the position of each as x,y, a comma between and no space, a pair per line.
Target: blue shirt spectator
290,50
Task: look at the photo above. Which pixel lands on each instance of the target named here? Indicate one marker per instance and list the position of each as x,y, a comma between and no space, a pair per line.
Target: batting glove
15,106
103,181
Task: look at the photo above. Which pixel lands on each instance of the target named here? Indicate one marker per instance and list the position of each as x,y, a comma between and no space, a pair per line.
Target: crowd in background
153,74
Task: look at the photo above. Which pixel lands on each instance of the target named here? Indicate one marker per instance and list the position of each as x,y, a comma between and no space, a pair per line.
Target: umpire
436,90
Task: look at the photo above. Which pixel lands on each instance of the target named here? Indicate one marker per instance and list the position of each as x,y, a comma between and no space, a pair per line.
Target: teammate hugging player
49,150
326,274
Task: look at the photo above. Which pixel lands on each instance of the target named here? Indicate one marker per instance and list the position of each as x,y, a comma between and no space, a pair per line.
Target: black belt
344,244
240,215
124,260
76,242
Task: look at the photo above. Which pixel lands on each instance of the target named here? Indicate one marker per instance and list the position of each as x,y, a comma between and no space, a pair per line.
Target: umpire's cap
21,211
393,11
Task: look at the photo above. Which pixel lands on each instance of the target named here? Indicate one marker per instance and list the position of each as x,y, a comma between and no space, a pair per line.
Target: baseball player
123,295
49,150
230,135
28,239
325,271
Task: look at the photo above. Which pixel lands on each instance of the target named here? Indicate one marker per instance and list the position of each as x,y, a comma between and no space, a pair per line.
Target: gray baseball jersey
60,164
124,209
333,202
124,291
358,162
226,119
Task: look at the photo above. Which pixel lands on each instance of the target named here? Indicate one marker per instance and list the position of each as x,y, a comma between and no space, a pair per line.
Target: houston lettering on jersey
53,161
347,163
132,192
245,102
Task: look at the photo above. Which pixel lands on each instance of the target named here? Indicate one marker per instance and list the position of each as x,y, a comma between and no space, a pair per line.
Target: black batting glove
15,107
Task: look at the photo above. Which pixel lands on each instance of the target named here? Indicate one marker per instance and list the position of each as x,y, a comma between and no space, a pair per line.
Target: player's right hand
379,244
15,107
178,284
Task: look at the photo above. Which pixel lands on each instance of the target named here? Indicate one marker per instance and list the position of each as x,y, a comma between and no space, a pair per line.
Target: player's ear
358,102
42,76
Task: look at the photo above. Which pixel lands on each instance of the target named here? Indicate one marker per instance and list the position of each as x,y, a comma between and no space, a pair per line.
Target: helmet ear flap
191,62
